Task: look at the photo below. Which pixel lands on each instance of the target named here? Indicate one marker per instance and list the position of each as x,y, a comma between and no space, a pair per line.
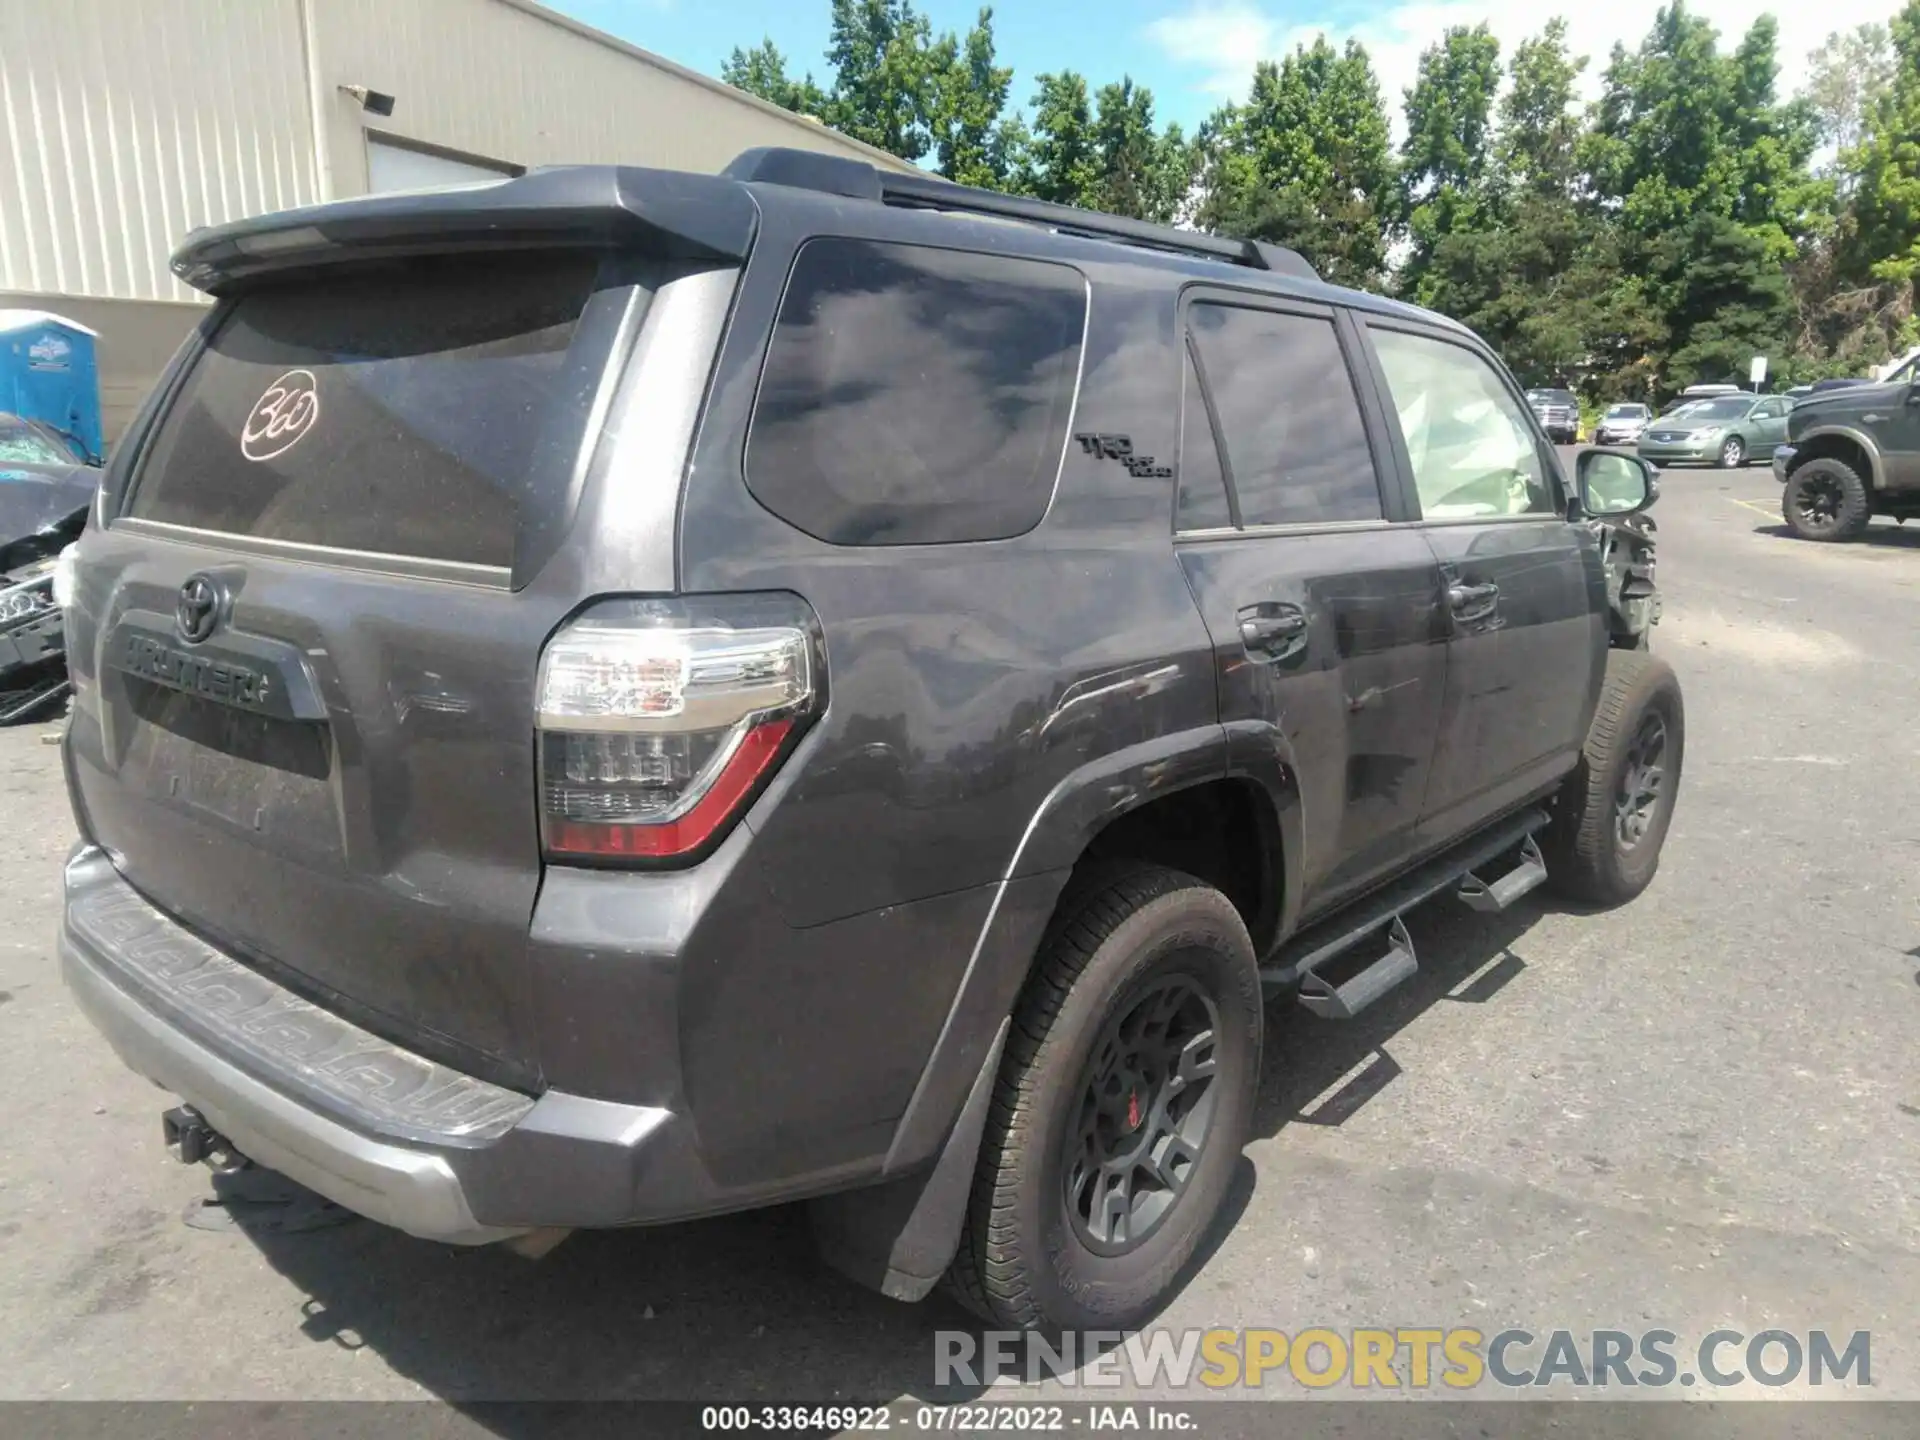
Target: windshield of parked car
22,444
1626,412
1550,397
1732,408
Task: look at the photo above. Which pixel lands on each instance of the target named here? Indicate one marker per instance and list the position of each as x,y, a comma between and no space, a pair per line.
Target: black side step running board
1529,875
1343,1002
1295,964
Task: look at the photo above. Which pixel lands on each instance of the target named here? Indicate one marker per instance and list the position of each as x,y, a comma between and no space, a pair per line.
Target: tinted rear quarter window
399,411
1296,447
915,395
1203,489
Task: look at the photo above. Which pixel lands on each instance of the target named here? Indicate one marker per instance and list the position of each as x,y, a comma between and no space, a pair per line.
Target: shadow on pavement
737,1309
1465,958
1888,536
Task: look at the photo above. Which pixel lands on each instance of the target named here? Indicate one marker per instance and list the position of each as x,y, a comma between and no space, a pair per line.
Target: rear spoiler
673,215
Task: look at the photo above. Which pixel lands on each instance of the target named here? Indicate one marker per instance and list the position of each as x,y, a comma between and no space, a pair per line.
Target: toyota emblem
197,611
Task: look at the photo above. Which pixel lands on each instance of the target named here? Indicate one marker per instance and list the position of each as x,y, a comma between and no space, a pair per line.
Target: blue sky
1196,53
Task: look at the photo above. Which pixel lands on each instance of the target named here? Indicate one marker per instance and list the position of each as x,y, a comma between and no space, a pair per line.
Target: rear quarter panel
966,682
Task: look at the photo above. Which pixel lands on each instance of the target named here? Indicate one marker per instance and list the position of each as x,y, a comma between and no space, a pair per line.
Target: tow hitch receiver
187,1134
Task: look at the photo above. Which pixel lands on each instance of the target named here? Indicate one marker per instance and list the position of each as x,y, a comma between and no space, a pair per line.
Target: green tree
1728,299
1884,239
1845,79
942,100
1446,157
1659,145
1305,162
1063,156
968,92
762,71
884,75
1141,172
1853,296
1539,133
1705,174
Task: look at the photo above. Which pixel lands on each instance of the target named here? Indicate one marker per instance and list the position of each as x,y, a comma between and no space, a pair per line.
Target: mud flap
898,1238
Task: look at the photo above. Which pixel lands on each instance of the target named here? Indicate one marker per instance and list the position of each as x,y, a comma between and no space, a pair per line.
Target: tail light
659,720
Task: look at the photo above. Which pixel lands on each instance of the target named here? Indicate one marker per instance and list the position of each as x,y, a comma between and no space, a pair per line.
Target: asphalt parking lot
1699,1111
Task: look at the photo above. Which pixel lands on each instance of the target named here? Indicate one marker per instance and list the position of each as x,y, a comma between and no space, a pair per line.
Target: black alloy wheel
1816,502
1122,1101
1146,1113
1611,818
1637,798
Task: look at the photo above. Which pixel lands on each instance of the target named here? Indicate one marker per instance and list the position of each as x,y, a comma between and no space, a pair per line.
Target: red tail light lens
660,719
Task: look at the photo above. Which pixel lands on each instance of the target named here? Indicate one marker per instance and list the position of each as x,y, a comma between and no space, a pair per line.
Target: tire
1733,454
1596,853
1027,1258
1825,499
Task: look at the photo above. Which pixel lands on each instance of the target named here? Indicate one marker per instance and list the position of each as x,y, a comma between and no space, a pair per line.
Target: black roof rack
836,175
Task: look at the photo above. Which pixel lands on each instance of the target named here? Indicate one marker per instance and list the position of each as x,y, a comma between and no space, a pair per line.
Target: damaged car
45,492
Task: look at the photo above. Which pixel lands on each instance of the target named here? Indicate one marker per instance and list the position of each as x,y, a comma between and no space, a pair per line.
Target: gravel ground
1698,1111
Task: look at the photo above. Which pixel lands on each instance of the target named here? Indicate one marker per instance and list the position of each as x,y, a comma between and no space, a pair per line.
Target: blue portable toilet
48,373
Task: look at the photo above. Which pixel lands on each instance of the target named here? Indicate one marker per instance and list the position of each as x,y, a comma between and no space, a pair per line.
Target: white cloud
1222,40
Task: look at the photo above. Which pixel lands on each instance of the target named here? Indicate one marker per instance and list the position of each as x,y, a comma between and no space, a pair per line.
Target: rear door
1525,612
307,641
1324,611
1769,426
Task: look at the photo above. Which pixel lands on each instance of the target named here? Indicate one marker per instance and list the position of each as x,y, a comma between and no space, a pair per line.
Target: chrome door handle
1472,602
1272,632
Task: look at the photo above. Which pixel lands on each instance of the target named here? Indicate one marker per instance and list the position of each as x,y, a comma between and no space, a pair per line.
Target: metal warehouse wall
129,122
126,123
505,80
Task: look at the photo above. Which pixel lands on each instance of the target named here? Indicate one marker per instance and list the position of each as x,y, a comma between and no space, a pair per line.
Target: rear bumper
389,1134
1782,458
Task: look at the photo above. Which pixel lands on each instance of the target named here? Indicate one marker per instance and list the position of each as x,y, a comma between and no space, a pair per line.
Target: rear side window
402,411
914,395
1295,446
1203,489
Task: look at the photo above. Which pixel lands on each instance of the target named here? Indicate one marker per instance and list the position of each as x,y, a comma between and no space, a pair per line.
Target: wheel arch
1214,771
908,1225
1844,443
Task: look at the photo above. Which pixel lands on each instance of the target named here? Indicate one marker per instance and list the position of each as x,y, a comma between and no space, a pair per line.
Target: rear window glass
403,411
914,395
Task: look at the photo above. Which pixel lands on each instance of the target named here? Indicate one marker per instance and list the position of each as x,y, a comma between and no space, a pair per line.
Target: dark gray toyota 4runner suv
619,695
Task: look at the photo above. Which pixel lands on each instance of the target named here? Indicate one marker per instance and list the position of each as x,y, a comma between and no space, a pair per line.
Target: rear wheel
1121,1108
1826,499
1612,817
1733,454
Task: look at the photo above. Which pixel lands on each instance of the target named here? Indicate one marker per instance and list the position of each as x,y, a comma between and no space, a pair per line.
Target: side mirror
1612,483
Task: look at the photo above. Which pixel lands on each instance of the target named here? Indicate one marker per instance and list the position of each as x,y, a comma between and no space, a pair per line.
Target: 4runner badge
1120,447
281,416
